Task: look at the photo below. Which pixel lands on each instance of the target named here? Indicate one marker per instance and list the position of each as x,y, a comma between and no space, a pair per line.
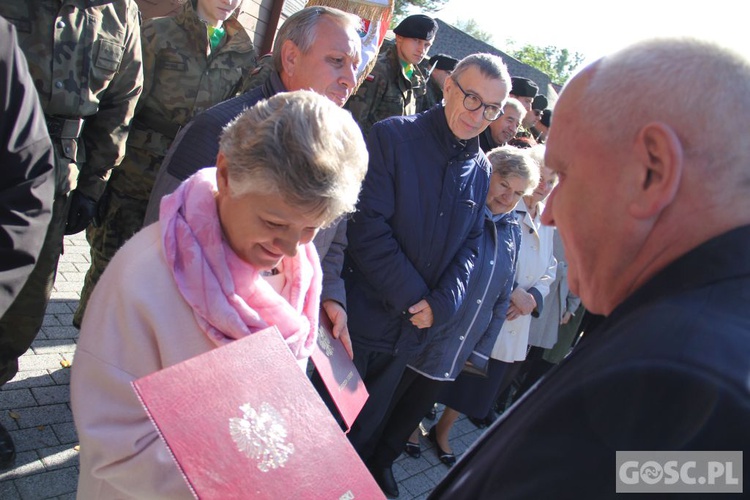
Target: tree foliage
558,63
403,8
471,27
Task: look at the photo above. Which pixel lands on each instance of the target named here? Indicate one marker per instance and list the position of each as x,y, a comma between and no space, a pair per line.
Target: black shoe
499,407
447,458
479,422
7,449
384,477
432,414
413,449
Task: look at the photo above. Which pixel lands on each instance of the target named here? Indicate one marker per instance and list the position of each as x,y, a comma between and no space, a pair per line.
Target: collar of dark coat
720,258
485,139
273,85
717,259
506,219
445,137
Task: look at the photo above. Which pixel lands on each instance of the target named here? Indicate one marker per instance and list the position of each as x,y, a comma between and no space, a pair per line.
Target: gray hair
517,105
536,153
489,65
301,146
699,89
510,161
301,27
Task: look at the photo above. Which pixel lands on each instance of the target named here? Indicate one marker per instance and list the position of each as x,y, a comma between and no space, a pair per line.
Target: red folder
340,376
243,421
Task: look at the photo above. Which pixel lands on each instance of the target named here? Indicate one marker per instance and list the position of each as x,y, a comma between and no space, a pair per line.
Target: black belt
64,128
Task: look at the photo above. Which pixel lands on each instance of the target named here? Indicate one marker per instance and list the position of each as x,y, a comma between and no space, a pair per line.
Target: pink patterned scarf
228,296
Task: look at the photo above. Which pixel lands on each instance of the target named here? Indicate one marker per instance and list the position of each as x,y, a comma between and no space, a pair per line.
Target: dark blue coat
416,231
472,333
669,369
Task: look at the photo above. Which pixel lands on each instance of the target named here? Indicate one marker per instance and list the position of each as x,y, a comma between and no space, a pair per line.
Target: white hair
697,88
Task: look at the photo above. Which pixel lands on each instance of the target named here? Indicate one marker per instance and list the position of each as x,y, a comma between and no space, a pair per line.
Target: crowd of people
427,206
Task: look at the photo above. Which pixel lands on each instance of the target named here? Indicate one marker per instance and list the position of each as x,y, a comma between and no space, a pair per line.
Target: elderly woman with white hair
230,255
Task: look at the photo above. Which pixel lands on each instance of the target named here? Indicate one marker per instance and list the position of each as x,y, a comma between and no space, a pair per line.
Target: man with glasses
413,240
395,82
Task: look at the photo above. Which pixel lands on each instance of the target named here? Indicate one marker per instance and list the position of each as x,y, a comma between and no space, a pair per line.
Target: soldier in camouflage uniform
437,69
85,60
525,90
395,82
185,72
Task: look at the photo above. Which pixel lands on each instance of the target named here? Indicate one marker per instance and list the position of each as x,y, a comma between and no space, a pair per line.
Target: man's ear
660,156
289,54
448,84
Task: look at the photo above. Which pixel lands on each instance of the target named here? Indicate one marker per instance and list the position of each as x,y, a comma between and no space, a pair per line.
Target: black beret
444,62
417,26
546,117
523,87
540,102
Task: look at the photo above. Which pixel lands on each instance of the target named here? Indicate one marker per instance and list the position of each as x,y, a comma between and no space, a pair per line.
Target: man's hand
337,314
566,317
421,314
82,210
521,304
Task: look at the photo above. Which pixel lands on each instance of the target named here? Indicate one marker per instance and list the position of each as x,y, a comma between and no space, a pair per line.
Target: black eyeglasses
472,102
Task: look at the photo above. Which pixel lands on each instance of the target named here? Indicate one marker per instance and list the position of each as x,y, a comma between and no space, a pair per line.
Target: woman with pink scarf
230,255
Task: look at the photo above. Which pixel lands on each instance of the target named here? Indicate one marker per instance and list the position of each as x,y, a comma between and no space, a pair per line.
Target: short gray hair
517,105
510,161
489,65
698,88
300,145
301,27
536,152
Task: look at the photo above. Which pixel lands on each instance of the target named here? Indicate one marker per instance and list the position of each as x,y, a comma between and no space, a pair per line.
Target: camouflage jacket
386,92
182,77
85,58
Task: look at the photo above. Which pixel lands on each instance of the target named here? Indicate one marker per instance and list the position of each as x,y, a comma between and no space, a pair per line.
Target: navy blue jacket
416,232
669,369
197,145
472,333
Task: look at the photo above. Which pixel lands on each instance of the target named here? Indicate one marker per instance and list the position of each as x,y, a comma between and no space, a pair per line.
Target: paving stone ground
35,406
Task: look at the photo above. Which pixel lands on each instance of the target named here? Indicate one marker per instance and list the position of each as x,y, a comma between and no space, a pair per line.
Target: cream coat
560,300
536,269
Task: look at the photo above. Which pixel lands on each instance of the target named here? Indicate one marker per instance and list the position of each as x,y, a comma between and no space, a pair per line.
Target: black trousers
20,324
381,373
414,396
537,368
504,392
